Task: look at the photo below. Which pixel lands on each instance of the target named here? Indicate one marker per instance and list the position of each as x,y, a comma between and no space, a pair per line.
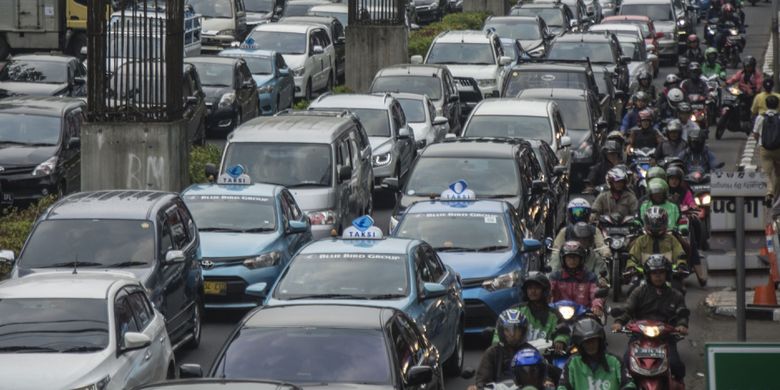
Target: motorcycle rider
658,195
573,282
655,300
726,15
612,152
657,238
693,50
674,144
749,78
531,371
593,367
681,195
645,135
698,154
684,113
619,199
495,366
631,119
578,211
644,83
682,67
694,85
593,261
667,108
759,102
711,66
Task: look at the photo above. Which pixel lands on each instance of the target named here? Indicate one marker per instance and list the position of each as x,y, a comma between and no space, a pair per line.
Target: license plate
618,230
657,353
215,288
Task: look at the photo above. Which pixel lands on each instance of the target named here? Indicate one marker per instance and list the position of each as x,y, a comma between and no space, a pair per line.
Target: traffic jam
519,192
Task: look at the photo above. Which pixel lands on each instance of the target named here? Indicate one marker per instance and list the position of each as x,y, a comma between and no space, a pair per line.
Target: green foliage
15,225
301,105
342,89
420,40
199,157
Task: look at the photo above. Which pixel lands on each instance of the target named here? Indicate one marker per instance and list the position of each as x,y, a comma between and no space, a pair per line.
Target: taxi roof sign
458,191
234,175
249,43
363,228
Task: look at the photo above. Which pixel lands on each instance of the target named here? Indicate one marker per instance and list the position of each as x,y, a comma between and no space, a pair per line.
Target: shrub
15,225
342,89
420,40
301,105
199,157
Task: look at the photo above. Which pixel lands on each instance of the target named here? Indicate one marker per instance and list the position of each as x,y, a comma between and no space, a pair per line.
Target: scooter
642,159
734,112
618,232
699,106
713,97
699,183
732,46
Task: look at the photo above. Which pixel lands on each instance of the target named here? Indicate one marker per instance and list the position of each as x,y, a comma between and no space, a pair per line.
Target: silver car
81,330
428,128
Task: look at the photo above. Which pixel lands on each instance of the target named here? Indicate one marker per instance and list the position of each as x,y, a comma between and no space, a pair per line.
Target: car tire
197,329
454,364
307,95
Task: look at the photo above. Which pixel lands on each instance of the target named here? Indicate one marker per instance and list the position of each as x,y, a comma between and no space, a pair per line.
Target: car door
291,212
190,109
315,62
448,305
330,55
155,356
403,354
344,188
174,274
432,311
199,113
361,165
405,145
452,102
240,15
285,83
79,80
132,366
420,347
247,90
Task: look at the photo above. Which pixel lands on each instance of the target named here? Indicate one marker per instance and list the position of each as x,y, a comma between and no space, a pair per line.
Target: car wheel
197,317
454,364
308,94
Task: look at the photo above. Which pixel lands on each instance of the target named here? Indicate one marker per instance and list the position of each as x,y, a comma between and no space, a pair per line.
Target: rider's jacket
607,203
748,83
580,287
646,245
708,70
609,374
648,302
704,159
644,138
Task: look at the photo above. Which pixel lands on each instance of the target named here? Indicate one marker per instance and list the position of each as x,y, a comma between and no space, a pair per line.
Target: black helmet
684,107
749,62
656,221
696,139
576,249
539,278
511,320
769,83
682,63
674,171
611,146
588,328
657,262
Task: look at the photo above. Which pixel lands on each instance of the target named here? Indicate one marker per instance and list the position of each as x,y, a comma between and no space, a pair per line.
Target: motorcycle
699,183
642,160
732,46
711,31
648,351
618,232
734,112
713,97
699,105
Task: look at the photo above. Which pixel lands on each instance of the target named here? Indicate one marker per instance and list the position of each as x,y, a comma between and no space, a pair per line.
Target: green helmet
710,50
657,186
656,172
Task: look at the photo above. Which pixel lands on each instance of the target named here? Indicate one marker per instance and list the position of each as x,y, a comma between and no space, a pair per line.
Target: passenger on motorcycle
698,154
673,145
682,67
578,211
682,196
575,283
645,135
640,101
667,107
644,83
759,102
693,50
671,82
593,367
711,66
657,238
531,371
684,112
694,84
727,15
495,366
749,78
593,261
655,300
619,199
612,156
658,195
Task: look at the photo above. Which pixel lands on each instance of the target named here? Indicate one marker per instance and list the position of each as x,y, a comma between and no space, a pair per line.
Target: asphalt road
704,328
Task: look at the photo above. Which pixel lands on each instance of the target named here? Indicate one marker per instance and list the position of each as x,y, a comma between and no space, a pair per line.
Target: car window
141,312
324,38
187,220
343,157
431,110
413,339
423,271
246,74
402,347
434,264
178,230
280,64
286,213
166,240
295,211
123,318
312,41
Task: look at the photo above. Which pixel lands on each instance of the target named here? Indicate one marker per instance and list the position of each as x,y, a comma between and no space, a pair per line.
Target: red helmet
727,8
693,38
645,115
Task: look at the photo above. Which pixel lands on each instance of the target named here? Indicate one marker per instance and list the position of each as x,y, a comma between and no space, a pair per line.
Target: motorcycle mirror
616,311
467,373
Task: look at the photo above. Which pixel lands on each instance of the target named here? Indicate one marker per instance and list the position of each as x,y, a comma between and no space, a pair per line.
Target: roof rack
497,140
337,113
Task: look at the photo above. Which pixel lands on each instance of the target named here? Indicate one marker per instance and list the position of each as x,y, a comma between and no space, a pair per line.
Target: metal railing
377,12
135,60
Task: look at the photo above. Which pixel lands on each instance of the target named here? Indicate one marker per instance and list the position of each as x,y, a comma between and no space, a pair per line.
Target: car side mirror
295,227
414,27
601,126
191,100
531,245
504,60
416,59
79,81
345,173
420,143
284,72
404,133
433,290
419,375
174,256
317,49
340,40
190,371
211,172
135,340
625,60
278,10
559,170
573,23
256,290
565,141
439,121
7,254
391,183
74,143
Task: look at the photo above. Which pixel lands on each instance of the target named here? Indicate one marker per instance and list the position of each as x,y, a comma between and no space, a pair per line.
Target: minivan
224,22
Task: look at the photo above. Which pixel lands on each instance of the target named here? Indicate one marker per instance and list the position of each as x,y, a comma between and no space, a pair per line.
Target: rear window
656,12
520,80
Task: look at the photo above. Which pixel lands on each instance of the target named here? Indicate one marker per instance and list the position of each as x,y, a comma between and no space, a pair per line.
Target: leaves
420,40
199,157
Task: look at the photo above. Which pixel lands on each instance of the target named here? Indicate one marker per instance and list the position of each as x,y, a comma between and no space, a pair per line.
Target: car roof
543,5
512,106
44,57
479,206
218,383
411,70
407,95
110,204
613,18
307,2
309,19
353,100
319,315
236,52
292,128
286,27
387,245
551,66
463,36
553,93
515,18
65,284
255,189
616,27
583,37
39,105
483,147
629,38
334,7
647,2
211,60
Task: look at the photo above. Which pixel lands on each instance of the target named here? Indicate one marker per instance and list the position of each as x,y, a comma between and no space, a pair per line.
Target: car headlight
567,312
265,89
264,260
501,282
434,5
487,82
227,100
298,72
703,200
232,33
99,385
322,217
384,159
45,168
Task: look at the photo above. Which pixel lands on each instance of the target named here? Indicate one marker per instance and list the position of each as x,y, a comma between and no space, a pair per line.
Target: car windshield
575,114
420,85
513,126
461,53
53,325
414,110
656,12
307,355
487,177
520,80
551,16
463,230
297,9
215,74
644,27
259,65
289,165
510,28
46,72
212,8
376,122
135,46
341,16
232,213
352,275
631,49
280,42
259,5
29,129
598,52
70,243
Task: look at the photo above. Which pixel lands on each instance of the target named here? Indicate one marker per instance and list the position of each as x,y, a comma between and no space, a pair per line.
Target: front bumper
380,173
216,43
237,279
300,86
667,47
489,91
483,307
220,119
19,188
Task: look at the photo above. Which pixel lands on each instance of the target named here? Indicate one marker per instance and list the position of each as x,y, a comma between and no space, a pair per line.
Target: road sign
738,184
737,366
723,217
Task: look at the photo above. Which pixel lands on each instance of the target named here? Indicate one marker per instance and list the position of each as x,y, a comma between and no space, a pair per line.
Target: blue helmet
529,368
510,322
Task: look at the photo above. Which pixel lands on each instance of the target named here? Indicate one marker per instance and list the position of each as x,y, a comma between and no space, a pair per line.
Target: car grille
468,89
478,315
17,170
236,288
468,283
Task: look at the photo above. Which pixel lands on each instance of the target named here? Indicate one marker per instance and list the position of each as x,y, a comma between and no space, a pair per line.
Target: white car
633,30
421,117
88,330
307,49
473,54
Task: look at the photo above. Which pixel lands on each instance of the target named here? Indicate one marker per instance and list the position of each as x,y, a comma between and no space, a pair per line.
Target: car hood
143,274
664,26
380,144
21,155
556,30
472,265
310,199
294,61
215,93
530,44
211,26
257,17
23,371
216,245
34,89
477,72
261,79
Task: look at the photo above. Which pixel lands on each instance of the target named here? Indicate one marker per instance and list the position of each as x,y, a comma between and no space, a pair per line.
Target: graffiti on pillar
145,174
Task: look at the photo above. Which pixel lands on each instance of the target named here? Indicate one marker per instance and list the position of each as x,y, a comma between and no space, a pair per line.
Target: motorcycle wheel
617,288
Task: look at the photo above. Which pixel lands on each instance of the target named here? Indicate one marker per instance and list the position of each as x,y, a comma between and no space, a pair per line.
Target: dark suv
599,48
39,148
150,234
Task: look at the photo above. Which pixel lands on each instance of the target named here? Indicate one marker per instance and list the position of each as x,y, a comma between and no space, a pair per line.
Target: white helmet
675,96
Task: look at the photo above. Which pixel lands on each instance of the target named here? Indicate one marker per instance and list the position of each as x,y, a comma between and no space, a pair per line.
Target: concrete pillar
146,156
371,48
493,7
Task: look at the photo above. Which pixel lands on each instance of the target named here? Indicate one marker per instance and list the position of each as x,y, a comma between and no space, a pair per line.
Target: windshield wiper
452,249
72,264
258,230
128,264
83,348
327,296
387,296
219,229
27,348
307,184
492,248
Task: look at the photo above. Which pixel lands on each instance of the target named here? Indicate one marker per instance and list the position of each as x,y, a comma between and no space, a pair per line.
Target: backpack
770,132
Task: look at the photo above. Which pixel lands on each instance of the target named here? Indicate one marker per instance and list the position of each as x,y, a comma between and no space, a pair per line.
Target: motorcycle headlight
99,385
45,168
232,33
298,72
734,90
501,282
322,217
487,82
227,100
693,117
642,172
617,243
567,312
681,23
265,89
733,31
650,331
703,200
383,159
264,260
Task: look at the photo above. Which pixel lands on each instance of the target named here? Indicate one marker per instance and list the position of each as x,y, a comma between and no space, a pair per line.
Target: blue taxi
275,83
484,241
248,234
364,268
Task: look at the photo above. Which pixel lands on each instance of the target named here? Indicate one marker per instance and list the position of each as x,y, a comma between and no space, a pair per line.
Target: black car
44,75
149,234
530,32
216,383
600,48
558,179
429,10
231,92
494,168
559,17
39,148
330,345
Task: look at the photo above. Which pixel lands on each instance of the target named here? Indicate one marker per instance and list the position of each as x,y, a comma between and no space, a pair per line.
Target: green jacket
707,70
642,248
610,376
537,329
671,209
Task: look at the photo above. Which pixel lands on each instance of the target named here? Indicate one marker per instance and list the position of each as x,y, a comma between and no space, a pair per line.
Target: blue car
363,268
483,241
248,234
275,83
